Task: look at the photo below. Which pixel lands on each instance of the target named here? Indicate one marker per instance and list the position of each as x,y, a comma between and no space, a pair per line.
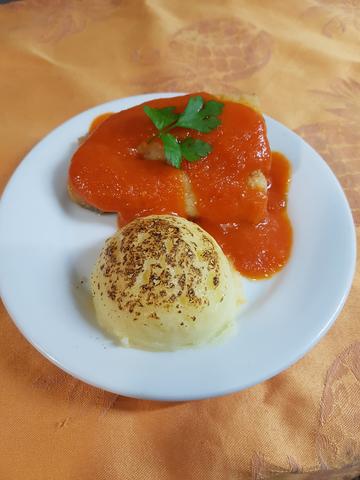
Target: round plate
48,246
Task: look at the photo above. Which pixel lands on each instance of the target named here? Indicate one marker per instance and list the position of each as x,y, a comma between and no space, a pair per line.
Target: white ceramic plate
48,246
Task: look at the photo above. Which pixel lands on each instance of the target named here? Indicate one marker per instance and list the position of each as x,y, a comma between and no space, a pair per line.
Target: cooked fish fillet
154,151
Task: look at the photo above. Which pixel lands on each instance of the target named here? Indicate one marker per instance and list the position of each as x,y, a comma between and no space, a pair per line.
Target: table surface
302,59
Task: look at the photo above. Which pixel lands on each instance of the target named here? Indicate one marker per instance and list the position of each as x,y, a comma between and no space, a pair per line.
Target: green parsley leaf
195,104
193,149
212,108
161,117
203,125
200,117
172,149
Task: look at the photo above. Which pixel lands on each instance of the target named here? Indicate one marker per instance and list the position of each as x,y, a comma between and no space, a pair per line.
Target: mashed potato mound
163,283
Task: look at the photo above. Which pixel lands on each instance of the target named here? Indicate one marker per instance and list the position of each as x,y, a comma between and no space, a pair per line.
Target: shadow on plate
80,288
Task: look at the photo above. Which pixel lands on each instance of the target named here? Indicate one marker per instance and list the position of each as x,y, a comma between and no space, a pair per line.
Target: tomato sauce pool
251,226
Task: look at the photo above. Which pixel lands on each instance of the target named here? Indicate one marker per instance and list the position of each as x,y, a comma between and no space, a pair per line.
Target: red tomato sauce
250,224
258,250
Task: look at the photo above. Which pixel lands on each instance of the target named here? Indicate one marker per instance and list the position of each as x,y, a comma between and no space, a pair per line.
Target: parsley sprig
198,115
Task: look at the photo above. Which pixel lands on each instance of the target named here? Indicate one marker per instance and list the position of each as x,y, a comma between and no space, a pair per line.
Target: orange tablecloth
302,59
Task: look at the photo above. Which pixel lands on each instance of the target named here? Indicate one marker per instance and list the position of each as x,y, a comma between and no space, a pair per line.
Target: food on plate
163,283
109,172
198,156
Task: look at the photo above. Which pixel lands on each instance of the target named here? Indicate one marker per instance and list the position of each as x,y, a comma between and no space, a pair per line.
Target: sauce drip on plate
249,220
